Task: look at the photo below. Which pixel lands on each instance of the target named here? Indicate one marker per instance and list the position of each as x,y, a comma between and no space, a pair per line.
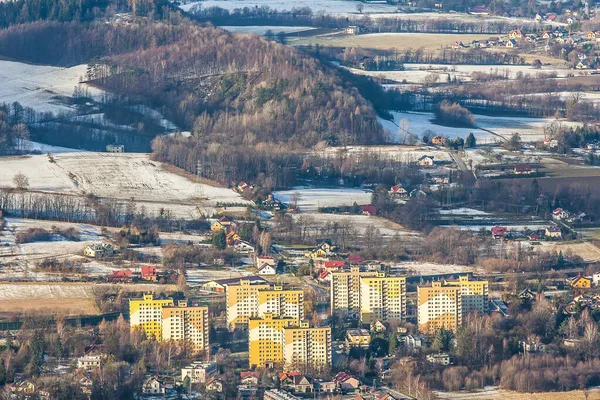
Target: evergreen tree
471,141
219,240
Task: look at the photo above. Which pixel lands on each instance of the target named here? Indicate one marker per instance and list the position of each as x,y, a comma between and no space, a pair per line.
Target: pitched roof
148,270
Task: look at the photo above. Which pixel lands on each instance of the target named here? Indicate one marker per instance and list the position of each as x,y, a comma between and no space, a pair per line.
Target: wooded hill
223,87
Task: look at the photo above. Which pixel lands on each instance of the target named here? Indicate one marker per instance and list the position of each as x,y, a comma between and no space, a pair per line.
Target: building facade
287,303
345,291
382,298
242,303
161,319
146,313
439,307
474,294
184,322
265,340
307,347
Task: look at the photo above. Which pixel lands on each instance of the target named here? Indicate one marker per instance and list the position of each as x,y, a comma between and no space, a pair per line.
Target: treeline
278,166
304,16
12,130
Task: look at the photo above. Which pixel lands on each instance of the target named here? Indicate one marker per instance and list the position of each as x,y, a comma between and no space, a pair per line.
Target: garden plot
39,86
358,222
311,199
120,177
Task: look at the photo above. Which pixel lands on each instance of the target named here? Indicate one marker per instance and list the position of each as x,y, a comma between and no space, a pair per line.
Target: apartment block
306,347
474,294
242,303
288,342
382,298
246,300
345,291
184,322
439,307
146,313
161,319
287,303
266,338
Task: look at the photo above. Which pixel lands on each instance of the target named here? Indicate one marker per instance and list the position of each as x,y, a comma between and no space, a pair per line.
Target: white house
425,161
439,358
153,386
596,278
89,362
99,250
199,371
267,270
243,247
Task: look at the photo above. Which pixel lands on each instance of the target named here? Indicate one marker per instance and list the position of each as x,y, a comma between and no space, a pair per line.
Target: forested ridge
237,89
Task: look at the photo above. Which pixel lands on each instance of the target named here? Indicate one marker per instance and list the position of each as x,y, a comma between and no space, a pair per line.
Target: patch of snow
311,199
262,29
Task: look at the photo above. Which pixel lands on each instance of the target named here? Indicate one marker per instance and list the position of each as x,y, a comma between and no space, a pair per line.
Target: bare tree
21,181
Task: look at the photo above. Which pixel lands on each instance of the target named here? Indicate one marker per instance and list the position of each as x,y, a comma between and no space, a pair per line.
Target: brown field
61,298
507,395
388,41
585,250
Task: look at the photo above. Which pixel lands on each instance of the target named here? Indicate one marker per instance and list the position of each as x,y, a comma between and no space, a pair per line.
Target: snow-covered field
463,211
37,86
416,73
425,268
400,153
333,7
120,177
530,129
262,29
311,199
358,222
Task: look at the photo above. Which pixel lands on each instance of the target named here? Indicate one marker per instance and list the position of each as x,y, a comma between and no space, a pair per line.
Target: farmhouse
425,161
124,275
398,191
352,30
515,34
558,214
511,43
323,249
153,386
499,232
99,250
249,378
346,382
243,247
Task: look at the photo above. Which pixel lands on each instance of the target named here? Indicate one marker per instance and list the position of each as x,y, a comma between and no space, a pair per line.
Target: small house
558,214
522,169
439,358
368,209
99,250
439,140
515,34
115,148
149,273
249,378
581,282
199,371
124,275
425,161
262,261
511,43
398,191
243,247
267,270
499,232
553,232
223,224
89,362
346,382
153,385
214,385
357,338
352,30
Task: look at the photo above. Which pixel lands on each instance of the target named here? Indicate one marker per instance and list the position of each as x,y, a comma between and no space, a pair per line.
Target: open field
588,251
401,153
63,298
262,29
312,198
359,222
530,129
427,269
120,177
390,41
39,86
333,7
416,73
493,394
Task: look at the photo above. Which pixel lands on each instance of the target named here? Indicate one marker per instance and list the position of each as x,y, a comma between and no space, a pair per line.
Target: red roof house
149,273
499,231
121,275
355,259
368,210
